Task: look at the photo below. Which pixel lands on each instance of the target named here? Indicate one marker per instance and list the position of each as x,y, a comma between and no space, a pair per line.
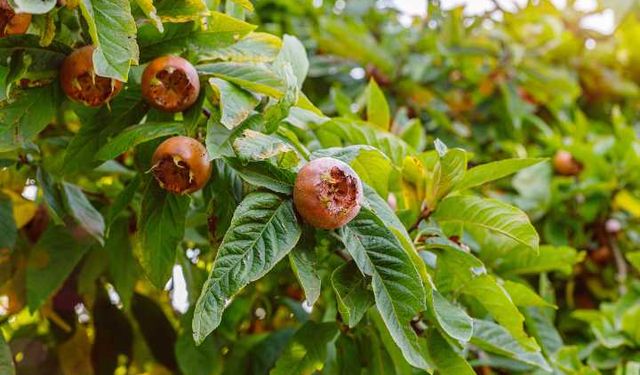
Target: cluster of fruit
327,192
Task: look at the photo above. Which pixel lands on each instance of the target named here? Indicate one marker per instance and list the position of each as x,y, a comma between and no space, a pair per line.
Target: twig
621,266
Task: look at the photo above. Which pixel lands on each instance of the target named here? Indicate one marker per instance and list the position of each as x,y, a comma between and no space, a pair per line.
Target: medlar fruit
181,165
170,83
80,82
564,164
12,23
327,193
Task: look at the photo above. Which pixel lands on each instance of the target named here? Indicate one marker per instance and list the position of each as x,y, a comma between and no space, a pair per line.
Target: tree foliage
470,252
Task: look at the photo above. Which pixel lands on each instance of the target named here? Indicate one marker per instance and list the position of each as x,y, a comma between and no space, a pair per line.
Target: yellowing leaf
627,202
23,210
151,12
75,354
246,4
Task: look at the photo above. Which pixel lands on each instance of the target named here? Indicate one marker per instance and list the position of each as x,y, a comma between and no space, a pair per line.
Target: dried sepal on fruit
181,165
327,193
170,84
12,23
80,82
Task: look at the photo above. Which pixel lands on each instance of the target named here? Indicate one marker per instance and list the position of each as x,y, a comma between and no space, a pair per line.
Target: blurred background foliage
512,79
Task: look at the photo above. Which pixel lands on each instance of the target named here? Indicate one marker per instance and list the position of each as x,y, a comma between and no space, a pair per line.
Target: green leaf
246,4
397,286
134,135
160,231
196,360
414,134
263,230
549,258
523,296
256,146
294,53
43,59
220,140
52,194
377,107
253,48
51,260
495,339
498,303
6,358
186,38
445,357
493,171
487,215
341,132
236,104
98,125
454,267
151,12
352,293
122,201
123,268
634,259
630,323
449,169
27,114
264,174
253,77
7,224
181,10
453,319
113,31
372,166
304,263
32,6
83,212
307,350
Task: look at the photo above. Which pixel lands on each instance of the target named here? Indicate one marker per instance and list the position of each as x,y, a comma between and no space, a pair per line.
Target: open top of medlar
170,83
80,82
181,165
327,193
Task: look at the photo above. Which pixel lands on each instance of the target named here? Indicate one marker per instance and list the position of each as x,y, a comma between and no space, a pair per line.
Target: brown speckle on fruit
170,83
327,193
181,165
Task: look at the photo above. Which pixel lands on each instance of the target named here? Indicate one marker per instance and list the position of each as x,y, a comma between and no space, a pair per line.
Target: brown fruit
181,165
327,193
12,23
170,83
80,82
565,164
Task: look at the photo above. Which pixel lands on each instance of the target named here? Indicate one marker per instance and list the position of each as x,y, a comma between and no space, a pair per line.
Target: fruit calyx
327,193
181,165
80,82
170,83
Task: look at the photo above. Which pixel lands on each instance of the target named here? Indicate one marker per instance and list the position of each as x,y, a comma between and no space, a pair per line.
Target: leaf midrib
253,244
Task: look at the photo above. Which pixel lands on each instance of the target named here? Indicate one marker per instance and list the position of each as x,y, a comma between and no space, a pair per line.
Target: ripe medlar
565,164
327,193
170,83
181,165
12,23
80,82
